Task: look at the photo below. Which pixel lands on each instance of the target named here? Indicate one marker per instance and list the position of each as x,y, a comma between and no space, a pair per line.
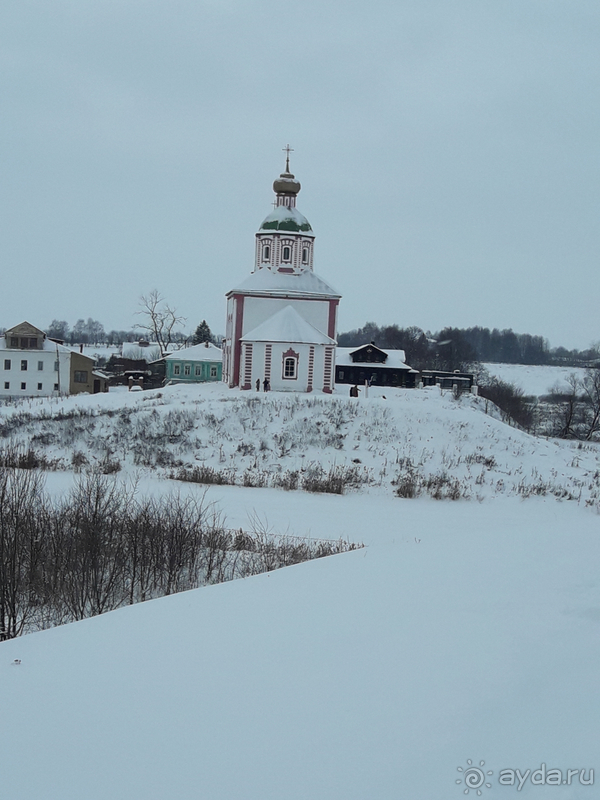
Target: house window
266,252
187,370
24,365
6,385
40,365
176,369
39,387
80,376
23,386
198,369
287,253
213,372
305,255
7,363
289,368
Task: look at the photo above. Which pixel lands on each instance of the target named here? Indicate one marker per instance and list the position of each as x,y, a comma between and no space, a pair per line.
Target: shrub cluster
103,547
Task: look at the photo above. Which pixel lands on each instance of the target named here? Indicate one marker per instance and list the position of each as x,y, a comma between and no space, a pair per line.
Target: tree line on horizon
461,348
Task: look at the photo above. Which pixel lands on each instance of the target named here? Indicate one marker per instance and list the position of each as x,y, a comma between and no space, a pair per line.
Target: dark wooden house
371,363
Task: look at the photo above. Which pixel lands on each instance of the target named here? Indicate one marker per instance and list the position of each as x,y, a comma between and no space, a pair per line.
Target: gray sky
448,153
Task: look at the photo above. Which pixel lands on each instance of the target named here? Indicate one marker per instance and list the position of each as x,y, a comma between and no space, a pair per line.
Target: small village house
201,363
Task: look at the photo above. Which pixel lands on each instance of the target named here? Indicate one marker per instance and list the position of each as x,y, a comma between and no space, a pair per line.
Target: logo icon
474,777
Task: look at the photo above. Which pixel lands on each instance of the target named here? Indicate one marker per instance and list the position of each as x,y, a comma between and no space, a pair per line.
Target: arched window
266,252
305,255
287,253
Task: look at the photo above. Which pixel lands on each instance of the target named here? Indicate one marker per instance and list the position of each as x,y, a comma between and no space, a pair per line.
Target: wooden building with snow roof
355,365
282,320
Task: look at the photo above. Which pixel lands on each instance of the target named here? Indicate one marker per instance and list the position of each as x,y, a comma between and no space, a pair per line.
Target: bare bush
103,547
207,475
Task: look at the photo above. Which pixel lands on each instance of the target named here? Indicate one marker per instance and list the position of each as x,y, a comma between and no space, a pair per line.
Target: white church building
282,320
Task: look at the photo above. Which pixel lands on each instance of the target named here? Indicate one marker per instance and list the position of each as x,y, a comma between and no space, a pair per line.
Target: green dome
288,219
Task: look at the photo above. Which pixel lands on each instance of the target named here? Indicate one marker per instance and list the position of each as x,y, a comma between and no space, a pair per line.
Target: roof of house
25,329
287,326
48,345
395,359
198,352
283,284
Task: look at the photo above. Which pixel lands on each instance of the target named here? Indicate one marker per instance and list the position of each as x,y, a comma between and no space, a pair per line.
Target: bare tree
159,319
591,395
567,413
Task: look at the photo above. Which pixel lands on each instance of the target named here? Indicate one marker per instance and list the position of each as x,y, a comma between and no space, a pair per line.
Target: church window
24,365
266,252
40,365
305,255
289,368
7,363
39,387
187,370
7,384
23,386
287,253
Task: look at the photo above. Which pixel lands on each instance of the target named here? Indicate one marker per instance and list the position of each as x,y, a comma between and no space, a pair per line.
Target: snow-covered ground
254,438
534,380
464,630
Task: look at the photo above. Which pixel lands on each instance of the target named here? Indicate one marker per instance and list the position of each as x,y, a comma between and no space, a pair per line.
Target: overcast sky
447,150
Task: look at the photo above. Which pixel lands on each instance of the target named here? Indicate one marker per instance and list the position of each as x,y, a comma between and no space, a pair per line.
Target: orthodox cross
287,150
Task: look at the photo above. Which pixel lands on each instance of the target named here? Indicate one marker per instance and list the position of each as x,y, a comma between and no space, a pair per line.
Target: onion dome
286,183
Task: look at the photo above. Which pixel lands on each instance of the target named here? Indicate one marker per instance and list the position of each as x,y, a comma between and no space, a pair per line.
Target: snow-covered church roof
284,284
287,326
284,218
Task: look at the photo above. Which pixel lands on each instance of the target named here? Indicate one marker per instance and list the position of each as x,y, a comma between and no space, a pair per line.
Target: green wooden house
198,364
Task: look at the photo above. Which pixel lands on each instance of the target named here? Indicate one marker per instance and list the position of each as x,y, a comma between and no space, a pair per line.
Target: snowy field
533,379
465,629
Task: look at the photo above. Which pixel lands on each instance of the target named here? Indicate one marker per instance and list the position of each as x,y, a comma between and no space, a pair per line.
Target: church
282,319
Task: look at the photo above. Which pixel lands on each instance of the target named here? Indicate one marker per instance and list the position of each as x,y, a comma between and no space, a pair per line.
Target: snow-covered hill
465,630
262,440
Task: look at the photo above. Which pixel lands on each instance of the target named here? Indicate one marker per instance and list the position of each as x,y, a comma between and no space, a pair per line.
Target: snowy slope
251,437
464,631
